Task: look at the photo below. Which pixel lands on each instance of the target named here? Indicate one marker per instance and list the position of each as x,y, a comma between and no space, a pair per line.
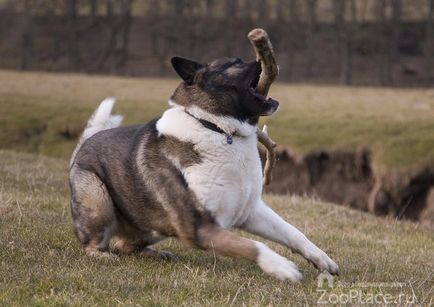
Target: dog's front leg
190,222
263,221
223,242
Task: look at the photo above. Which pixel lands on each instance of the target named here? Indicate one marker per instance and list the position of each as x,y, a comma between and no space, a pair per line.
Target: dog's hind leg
130,240
92,212
141,248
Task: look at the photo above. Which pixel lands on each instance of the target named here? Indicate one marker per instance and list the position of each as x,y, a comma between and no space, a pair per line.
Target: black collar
213,127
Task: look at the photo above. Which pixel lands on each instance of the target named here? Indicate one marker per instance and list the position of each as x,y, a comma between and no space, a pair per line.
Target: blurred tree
121,45
27,36
294,28
93,9
385,59
230,16
341,44
396,25
313,39
209,5
73,34
350,32
119,23
390,33
429,49
294,11
310,35
157,28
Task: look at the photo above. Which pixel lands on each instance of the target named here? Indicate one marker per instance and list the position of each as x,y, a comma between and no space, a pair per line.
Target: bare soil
348,177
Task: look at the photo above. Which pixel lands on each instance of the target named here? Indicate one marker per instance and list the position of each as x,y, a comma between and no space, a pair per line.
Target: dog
193,173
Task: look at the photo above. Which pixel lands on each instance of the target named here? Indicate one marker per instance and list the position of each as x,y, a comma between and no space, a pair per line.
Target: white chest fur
228,181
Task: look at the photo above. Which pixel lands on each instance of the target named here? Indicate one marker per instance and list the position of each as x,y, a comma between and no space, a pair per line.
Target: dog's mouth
257,75
268,104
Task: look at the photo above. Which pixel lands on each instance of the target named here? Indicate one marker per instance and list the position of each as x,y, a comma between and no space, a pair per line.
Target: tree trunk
310,34
122,39
294,11
180,7
27,37
158,23
282,11
429,52
341,37
263,12
350,32
73,34
293,27
93,11
111,43
153,16
385,58
396,27
209,4
230,15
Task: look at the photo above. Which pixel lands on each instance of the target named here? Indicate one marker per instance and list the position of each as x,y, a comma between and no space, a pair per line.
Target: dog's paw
101,255
323,262
276,265
160,255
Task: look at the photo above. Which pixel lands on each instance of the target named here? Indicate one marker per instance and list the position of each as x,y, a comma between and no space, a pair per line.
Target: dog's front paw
276,265
323,262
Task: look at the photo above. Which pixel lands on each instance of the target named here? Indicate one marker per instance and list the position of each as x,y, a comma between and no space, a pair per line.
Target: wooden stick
270,146
265,54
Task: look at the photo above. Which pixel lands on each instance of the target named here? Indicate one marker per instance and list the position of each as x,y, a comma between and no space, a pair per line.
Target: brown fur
96,211
226,243
126,182
130,198
183,151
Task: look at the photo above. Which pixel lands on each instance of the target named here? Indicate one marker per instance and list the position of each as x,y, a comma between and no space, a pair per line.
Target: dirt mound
406,195
348,178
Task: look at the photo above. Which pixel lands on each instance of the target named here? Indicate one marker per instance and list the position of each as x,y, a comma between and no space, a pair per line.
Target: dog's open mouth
255,80
269,103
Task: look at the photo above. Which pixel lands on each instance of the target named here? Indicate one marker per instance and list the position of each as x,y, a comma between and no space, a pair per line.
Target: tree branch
265,54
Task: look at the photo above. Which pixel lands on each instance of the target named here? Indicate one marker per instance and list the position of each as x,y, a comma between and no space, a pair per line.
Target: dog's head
225,87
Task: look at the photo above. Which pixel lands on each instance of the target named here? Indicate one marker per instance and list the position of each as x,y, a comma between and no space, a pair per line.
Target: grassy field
41,262
44,113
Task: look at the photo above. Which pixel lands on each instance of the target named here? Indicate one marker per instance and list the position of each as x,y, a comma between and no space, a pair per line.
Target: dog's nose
274,104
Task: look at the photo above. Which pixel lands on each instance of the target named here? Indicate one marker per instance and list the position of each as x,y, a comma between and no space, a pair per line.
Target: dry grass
396,124
41,262
39,109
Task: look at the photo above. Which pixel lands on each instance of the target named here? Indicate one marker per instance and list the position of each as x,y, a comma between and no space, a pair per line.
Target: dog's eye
237,64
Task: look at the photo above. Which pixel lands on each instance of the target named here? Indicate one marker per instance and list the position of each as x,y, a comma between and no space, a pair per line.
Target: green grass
41,262
396,124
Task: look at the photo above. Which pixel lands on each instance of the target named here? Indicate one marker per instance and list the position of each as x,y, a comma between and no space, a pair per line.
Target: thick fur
101,119
228,180
173,177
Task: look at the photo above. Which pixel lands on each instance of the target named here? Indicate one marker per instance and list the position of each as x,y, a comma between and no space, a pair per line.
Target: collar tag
213,127
229,139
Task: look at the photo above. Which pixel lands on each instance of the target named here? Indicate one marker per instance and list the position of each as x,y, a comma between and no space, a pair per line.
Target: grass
41,262
45,113
40,259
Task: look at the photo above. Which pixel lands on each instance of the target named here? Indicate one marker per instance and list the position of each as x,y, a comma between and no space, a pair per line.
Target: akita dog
194,173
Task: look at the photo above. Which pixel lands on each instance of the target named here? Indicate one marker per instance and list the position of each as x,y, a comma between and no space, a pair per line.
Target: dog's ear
185,68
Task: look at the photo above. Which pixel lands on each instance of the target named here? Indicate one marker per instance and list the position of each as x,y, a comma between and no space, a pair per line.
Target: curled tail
101,119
